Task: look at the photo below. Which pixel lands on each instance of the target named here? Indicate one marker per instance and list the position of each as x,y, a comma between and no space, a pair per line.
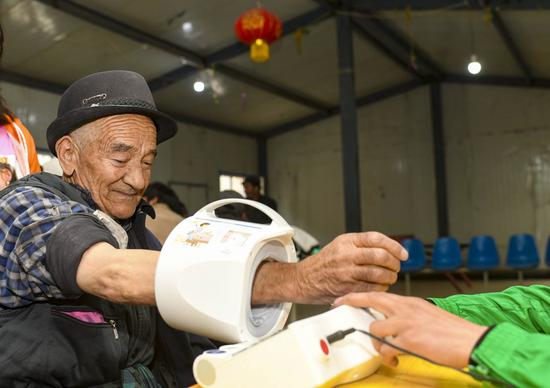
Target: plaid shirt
28,216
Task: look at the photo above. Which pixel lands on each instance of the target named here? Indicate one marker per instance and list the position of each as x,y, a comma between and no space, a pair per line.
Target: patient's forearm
118,275
277,282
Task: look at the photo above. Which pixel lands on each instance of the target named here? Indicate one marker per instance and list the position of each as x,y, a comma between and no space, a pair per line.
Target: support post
262,160
348,116
439,160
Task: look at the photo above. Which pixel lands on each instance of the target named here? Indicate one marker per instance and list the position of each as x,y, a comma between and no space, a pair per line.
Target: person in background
251,186
16,143
169,210
232,211
7,175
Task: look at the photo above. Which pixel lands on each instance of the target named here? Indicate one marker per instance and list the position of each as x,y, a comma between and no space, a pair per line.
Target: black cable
341,334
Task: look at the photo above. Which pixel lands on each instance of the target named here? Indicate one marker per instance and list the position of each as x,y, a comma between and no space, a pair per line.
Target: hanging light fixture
474,67
187,27
199,86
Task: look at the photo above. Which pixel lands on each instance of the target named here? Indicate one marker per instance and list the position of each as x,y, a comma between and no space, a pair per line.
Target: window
234,181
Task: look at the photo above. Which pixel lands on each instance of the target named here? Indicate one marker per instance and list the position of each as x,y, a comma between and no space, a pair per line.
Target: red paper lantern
258,28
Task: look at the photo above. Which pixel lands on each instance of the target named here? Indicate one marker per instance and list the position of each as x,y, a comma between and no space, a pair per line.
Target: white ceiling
47,44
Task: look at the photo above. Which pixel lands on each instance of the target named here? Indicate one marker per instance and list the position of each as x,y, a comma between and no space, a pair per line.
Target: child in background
7,175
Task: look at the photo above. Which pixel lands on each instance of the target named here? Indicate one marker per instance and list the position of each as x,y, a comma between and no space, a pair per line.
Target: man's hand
418,326
352,262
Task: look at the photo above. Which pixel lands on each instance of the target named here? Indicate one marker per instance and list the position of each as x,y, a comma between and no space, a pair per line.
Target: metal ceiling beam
233,73
52,87
299,123
236,49
196,61
30,82
364,28
370,28
171,77
99,19
360,102
272,88
497,81
212,125
391,91
466,4
403,42
511,45
364,32
429,5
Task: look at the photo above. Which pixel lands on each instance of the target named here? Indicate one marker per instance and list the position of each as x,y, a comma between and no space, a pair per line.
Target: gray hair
85,134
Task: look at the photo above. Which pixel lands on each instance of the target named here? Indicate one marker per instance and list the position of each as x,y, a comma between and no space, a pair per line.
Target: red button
324,347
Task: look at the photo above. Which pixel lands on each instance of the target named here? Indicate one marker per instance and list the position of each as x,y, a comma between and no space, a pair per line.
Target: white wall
498,161
305,178
396,171
195,154
498,166
396,159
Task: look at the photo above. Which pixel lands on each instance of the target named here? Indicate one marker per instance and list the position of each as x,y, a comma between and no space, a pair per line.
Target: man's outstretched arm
351,262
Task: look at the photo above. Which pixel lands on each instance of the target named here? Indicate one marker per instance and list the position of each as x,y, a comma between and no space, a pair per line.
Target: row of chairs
482,254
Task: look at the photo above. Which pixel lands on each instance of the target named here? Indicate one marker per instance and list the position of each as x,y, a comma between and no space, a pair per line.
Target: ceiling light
474,67
199,86
187,27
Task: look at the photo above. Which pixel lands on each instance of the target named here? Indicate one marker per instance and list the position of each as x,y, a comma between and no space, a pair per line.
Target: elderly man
78,264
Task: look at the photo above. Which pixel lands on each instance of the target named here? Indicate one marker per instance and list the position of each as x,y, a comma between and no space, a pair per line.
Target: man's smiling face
115,166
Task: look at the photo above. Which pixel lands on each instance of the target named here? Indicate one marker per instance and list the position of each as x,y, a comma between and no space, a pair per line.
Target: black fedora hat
105,94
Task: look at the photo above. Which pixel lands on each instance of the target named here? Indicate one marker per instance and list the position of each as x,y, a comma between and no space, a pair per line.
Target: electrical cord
341,334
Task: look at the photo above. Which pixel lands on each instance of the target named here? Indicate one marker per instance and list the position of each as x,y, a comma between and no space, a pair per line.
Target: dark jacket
254,215
49,344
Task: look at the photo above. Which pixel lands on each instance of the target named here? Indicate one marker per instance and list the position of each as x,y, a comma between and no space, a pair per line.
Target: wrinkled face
116,166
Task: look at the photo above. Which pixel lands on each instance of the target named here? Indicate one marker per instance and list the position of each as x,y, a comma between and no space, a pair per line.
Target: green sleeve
516,356
517,349
525,307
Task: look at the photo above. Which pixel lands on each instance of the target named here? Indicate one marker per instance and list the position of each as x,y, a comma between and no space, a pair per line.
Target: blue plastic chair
483,256
522,252
483,253
547,254
446,255
415,262
417,255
